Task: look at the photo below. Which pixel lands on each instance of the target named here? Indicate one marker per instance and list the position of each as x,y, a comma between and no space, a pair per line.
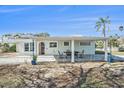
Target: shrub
35,58
5,47
99,52
12,48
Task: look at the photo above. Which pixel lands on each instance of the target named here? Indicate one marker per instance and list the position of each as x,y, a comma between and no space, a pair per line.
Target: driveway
18,59
15,60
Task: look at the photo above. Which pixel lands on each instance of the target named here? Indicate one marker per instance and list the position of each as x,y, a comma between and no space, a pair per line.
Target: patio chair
61,55
68,54
76,54
81,54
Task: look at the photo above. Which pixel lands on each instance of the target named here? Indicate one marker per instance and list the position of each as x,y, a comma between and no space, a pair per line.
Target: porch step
45,58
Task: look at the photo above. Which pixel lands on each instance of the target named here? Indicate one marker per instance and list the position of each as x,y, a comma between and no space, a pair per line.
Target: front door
42,48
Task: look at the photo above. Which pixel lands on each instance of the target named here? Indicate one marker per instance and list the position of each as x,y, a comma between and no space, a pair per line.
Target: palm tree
103,25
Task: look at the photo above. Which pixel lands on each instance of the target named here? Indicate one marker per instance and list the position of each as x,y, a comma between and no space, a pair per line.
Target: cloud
68,19
8,10
83,19
64,8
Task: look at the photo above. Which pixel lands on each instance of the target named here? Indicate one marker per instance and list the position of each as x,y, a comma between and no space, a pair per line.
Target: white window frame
54,42
64,44
31,43
29,46
84,41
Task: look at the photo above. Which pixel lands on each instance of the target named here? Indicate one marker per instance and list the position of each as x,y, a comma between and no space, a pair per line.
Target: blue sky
59,20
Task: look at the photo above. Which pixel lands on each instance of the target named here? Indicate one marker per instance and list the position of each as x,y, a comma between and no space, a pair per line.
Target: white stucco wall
54,51
50,51
20,47
87,49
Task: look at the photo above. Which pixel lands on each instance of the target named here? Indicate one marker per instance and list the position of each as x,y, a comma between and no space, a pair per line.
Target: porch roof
70,38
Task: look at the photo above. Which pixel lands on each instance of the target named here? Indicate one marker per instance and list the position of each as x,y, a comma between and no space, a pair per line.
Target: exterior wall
50,51
20,47
54,51
90,49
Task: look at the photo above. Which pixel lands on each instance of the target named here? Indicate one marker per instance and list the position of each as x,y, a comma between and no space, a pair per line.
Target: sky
60,20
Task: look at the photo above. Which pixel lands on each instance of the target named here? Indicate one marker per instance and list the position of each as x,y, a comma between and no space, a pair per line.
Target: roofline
55,38
70,38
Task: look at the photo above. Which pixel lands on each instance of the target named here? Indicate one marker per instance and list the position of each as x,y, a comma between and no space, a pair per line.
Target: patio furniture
68,54
81,54
61,55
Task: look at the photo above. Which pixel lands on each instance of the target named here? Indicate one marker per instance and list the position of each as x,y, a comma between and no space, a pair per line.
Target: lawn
113,52
117,53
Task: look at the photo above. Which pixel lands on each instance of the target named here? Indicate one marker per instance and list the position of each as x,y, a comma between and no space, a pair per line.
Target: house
55,45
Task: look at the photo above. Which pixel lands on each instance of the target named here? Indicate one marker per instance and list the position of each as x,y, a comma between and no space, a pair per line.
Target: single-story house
58,45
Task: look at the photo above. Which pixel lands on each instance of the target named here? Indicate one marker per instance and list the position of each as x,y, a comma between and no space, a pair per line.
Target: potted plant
33,62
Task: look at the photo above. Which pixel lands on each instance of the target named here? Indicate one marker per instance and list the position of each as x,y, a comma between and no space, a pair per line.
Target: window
86,43
66,43
53,44
26,45
31,46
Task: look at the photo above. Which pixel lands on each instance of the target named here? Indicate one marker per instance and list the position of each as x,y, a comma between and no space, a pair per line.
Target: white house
56,45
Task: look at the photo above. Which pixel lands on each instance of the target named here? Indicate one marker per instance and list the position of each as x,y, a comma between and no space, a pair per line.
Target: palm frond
98,27
102,20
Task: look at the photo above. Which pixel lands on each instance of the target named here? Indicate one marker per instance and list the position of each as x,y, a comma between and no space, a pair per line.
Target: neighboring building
51,45
8,40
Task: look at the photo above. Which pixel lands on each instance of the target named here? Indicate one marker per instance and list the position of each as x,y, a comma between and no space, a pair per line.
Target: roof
69,38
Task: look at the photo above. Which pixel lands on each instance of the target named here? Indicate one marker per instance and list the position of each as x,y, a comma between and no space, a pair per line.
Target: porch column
37,48
72,50
106,50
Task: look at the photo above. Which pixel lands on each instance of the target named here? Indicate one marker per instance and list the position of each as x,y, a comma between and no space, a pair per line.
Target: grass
117,53
99,52
113,52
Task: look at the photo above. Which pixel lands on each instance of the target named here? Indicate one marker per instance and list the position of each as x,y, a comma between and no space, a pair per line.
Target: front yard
117,53
113,52
63,75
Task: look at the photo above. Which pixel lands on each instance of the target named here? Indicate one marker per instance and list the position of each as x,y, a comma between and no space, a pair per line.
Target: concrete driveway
15,60
24,59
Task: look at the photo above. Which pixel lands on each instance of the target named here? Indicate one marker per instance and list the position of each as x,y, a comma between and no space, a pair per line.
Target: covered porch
89,57
84,58
75,53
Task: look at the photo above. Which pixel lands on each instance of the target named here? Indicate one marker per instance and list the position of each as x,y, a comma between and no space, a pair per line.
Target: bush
99,52
12,48
35,58
5,47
